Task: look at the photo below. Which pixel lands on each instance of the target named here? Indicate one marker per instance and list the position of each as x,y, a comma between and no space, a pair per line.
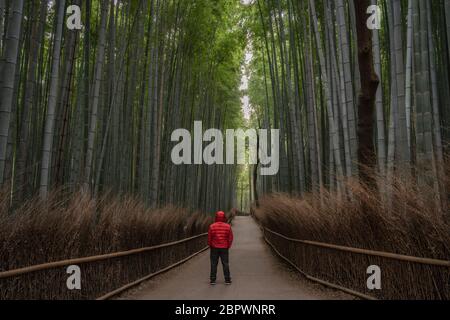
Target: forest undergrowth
405,219
75,225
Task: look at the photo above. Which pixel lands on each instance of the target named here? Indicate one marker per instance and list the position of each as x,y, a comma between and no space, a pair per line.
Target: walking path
258,274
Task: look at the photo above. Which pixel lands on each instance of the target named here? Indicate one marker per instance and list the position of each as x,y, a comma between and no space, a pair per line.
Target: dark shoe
213,283
228,282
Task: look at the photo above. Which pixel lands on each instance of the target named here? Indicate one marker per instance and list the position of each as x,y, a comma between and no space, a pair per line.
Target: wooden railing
399,257
309,258
146,262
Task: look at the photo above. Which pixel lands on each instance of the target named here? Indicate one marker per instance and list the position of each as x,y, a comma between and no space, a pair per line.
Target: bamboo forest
350,99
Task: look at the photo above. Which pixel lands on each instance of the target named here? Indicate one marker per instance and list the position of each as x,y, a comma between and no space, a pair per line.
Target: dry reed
76,225
405,219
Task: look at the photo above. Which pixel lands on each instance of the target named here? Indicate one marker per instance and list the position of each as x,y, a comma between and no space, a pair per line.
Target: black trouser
224,258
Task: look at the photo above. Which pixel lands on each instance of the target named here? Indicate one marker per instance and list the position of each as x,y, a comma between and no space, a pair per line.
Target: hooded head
220,217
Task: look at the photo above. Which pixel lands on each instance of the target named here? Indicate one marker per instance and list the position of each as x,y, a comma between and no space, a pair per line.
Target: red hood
220,217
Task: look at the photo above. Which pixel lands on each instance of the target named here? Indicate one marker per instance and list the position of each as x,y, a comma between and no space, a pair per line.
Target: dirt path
257,275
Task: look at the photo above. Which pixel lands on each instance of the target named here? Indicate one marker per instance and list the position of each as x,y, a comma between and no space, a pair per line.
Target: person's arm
209,236
230,238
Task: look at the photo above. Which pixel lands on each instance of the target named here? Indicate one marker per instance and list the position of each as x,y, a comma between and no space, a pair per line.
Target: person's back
220,239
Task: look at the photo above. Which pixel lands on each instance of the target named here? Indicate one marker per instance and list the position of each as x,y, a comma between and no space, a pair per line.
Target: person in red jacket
220,239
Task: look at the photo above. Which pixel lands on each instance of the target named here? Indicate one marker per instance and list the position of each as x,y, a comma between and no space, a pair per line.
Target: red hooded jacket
220,235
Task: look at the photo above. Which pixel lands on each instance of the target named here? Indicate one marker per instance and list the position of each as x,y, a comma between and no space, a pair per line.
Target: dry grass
74,226
407,222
